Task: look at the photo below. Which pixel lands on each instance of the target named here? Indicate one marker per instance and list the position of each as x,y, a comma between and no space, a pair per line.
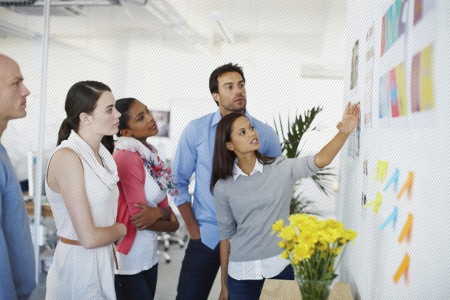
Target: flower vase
314,289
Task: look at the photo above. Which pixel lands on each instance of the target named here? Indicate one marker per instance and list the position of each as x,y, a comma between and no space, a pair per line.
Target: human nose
118,114
25,91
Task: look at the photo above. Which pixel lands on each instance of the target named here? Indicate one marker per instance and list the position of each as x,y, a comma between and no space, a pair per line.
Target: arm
345,127
67,171
170,225
183,167
224,257
132,179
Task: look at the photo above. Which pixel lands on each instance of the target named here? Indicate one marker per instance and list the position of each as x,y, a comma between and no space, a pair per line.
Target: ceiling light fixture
224,32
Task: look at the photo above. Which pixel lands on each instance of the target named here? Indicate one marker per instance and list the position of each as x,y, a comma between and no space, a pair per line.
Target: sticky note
406,231
402,269
393,180
381,171
426,79
407,186
391,218
376,203
401,84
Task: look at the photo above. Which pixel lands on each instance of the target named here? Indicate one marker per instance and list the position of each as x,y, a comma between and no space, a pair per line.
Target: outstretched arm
345,127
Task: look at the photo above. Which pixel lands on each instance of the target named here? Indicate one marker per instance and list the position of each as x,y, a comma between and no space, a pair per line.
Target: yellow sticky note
402,269
381,171
426,79
376,203
401,86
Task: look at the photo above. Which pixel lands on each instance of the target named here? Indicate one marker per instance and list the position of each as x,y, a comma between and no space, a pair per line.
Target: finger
347,108
136,217
140,205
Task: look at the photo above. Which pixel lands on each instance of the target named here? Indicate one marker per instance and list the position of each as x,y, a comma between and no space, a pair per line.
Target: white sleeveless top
76,272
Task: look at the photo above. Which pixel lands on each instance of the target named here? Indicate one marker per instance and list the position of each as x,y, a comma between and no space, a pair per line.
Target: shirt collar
238,172
217,117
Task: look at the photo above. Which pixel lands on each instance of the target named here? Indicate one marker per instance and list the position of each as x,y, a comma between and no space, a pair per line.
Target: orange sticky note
402,269
406,231
376,203
381,171
407,186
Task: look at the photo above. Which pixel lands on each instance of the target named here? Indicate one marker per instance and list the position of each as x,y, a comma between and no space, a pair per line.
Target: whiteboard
394,168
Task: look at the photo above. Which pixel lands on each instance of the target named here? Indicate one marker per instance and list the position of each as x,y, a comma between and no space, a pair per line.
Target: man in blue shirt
194,154
17,266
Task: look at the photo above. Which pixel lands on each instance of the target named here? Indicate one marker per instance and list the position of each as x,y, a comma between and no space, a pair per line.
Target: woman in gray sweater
251,192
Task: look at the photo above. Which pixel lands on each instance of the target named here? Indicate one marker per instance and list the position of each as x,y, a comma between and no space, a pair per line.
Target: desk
288,289
46,209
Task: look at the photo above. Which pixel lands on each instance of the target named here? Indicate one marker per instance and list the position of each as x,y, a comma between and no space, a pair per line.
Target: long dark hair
82,97
223,159
123,105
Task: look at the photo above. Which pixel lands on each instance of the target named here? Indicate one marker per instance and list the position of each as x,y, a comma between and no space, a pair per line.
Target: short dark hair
213,85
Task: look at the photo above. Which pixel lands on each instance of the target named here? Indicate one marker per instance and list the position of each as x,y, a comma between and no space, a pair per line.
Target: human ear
229,146
125,132
216,97
85,118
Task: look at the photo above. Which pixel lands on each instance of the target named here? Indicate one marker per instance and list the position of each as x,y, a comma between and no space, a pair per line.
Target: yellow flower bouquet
312,247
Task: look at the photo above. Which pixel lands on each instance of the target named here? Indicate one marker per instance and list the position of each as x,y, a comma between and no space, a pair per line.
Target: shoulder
66,154
128,160
221,186
201,121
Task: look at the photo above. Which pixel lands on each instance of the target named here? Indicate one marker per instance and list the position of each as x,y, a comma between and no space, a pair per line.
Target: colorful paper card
426,79
392,218
406,231
376,203
380,171
401,88
402,269
393,180
407,186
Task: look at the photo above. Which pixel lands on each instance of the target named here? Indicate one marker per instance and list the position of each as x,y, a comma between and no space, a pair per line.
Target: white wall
164,79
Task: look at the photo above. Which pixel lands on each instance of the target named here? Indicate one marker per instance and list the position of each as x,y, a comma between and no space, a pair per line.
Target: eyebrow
112,105
232,83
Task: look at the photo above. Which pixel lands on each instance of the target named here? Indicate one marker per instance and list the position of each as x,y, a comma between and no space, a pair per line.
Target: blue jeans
137,286
251,289
198,271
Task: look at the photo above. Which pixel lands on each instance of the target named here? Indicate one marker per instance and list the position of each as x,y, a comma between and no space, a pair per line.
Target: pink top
132,175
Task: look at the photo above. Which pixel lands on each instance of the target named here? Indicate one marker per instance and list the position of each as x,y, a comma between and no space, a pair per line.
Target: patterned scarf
152,162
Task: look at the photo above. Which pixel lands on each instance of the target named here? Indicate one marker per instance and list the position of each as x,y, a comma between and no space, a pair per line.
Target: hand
173,217
350,119
146,217
223,293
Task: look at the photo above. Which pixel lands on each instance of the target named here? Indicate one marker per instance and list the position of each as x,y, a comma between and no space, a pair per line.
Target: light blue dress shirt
17,267
195,154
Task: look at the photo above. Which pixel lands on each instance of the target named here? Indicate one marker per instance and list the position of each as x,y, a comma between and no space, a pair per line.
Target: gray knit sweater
247,207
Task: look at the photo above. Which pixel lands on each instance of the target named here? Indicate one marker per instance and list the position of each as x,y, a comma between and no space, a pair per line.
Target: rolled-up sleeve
224,215
184,164
132,175
303,167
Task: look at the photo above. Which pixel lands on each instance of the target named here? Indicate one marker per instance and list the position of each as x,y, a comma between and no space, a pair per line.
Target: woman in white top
81,185
144,183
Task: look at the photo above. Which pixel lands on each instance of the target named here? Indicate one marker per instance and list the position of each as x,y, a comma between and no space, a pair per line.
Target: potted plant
290,149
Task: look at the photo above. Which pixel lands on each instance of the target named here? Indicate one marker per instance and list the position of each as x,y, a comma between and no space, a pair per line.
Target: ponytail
64,131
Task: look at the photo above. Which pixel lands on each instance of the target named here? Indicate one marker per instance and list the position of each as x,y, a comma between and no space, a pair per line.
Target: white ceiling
313,29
